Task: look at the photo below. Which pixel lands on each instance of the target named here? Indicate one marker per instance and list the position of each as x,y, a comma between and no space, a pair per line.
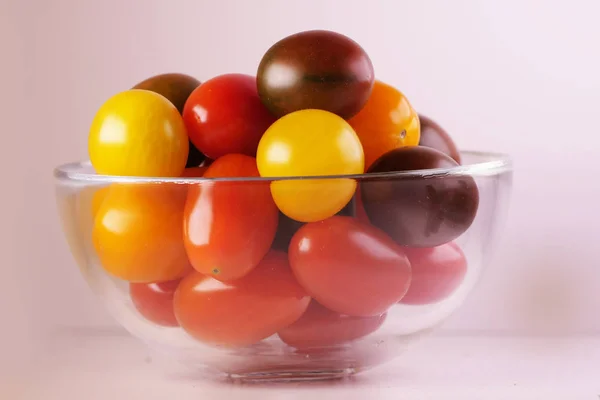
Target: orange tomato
244,311
386,122
98,199
138,232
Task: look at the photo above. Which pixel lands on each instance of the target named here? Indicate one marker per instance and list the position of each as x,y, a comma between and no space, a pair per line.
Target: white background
515,76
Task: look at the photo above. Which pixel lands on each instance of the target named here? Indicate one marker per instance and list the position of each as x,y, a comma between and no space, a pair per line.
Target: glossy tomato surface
138,232
388,121
244,311
154,301
436,137
176,88
349,267
418,211
436,273
229,226
315,70
138,133
310,143
320,327
225,116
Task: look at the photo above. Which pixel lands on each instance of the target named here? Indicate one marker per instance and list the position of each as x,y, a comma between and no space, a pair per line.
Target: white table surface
111,365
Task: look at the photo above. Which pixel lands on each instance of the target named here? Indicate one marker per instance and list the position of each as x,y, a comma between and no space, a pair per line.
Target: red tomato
244,311
229,226
349,267
225,115
155,301
436,273
320,327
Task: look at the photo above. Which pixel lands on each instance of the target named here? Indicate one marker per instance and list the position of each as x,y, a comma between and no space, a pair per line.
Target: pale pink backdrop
517,76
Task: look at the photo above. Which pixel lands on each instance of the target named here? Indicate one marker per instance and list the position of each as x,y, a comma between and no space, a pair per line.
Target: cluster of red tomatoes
314,253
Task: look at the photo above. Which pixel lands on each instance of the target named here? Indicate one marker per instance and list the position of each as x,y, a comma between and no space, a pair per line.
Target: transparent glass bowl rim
494,164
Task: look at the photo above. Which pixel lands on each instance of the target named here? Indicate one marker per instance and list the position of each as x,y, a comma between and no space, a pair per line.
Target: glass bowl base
282,376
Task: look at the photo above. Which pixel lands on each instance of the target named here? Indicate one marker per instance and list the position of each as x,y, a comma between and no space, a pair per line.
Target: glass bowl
318,300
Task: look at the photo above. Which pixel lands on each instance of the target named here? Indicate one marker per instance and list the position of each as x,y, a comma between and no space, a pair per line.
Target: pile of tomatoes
295,225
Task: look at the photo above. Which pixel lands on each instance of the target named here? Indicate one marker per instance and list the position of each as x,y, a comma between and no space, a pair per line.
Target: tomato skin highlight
436,273
349,267
154,301
229,226
320,327
244,311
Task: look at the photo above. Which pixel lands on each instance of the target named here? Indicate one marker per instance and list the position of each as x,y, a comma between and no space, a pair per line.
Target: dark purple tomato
315,70
419,211
434,136
176,88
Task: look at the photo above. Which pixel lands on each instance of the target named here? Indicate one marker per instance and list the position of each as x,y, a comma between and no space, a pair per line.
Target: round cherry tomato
315,70
176,88
349,267
229,226
434,136
386,122
310,143
224,115
244,311
320,327
420,212
138,133
436,273
155,301
138,232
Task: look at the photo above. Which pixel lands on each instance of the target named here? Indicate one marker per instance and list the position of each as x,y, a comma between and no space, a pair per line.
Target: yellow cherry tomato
386,122
310,143
138,232
138,133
